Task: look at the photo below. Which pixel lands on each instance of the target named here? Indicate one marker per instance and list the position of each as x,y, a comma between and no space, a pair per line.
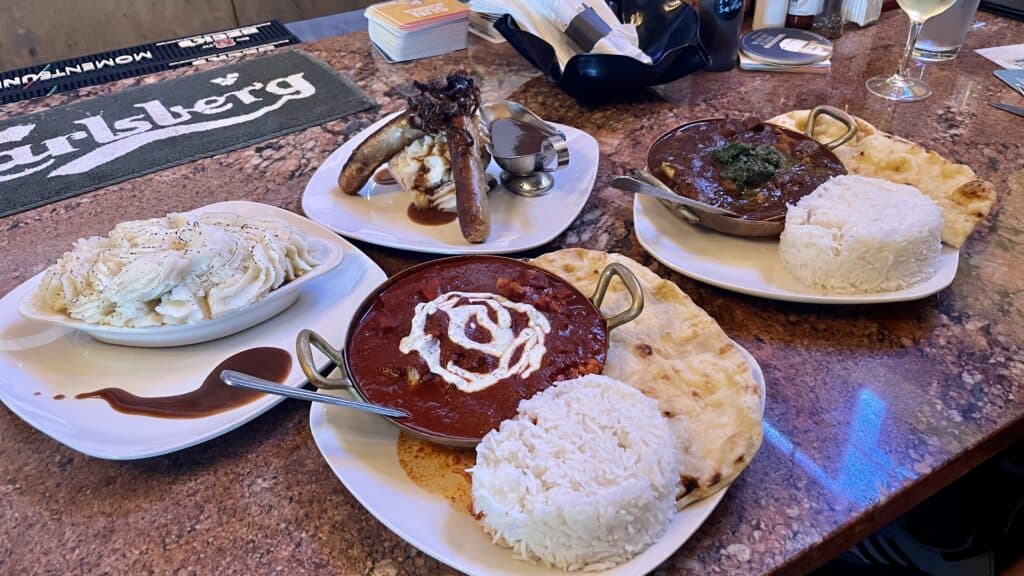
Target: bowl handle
636,294
557,150
304,344
841,116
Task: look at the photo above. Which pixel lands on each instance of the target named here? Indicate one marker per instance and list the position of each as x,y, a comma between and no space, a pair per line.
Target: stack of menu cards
785,50
410,29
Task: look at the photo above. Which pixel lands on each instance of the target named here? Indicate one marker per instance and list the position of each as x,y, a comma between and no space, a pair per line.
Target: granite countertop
870,409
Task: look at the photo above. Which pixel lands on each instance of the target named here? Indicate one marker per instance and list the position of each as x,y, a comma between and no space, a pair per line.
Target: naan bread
677,354
964,199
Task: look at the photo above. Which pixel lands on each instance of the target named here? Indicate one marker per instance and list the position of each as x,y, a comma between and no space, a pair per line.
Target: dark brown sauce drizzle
510,138
58,396
212,397
430,216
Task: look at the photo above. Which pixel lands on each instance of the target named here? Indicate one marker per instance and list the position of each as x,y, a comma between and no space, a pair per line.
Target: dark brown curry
749,167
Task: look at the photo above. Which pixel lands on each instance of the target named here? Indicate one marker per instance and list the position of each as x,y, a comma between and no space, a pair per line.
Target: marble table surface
870,409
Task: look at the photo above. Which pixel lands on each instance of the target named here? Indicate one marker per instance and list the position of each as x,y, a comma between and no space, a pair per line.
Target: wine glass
900,86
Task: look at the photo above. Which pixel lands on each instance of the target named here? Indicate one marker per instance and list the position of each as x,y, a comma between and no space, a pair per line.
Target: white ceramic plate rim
338,157
331,254
643,205
259,408
377,500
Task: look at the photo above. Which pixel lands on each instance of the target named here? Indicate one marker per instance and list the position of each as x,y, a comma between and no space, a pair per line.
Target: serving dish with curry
458,342
753,168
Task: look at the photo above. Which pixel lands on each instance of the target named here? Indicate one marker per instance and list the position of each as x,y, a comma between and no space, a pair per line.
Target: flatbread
965,199
677,354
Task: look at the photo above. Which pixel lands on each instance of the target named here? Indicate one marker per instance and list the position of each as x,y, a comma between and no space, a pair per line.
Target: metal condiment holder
528,174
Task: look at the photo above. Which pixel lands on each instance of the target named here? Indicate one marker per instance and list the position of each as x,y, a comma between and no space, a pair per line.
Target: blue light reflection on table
865,471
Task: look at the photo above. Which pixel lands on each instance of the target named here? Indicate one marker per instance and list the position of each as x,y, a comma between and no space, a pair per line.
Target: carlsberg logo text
97,140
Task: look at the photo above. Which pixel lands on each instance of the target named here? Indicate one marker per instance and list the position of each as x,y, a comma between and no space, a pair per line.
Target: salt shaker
829,22
720,22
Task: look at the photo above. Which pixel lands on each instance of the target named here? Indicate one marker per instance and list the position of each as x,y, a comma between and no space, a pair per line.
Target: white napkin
548,19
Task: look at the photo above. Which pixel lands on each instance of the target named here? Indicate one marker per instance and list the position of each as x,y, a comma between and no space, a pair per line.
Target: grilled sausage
470,177
373,152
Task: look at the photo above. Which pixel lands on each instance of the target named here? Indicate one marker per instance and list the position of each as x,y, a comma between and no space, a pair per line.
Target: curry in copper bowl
458,342
750,167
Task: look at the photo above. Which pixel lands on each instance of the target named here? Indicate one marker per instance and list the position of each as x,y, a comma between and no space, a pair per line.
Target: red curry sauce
576,345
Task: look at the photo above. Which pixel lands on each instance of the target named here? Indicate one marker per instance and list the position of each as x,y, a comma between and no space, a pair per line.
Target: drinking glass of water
942,36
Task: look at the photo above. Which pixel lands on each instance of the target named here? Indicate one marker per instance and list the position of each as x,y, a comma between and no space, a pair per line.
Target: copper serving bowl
352,352
772,224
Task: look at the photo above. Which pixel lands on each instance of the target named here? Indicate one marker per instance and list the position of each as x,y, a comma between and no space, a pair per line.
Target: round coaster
786,46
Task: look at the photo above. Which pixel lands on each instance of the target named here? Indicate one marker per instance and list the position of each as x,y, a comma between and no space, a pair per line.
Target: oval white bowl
34,306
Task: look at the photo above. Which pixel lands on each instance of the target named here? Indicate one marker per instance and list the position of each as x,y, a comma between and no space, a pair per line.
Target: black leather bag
670,36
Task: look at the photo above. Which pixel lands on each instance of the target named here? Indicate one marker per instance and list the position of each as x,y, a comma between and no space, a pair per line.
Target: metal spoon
241,380
642,182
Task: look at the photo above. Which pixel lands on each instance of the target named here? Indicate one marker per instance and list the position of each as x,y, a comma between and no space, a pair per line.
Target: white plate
378,213
29,353
752,266
361,450
323,245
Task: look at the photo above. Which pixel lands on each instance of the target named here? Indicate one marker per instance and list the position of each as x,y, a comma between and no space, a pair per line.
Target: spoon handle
241,380
638,185
652,180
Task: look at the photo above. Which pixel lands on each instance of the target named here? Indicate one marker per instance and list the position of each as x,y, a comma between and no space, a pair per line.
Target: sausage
470,177
373,152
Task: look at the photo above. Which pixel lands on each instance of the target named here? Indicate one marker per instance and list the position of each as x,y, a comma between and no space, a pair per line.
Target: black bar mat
1009,8
78,147
103,67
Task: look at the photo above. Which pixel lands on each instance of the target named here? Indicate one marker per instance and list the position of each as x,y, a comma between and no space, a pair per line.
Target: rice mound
583,478
857,234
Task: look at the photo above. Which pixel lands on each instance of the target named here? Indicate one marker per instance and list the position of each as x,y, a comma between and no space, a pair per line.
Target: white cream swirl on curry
518,354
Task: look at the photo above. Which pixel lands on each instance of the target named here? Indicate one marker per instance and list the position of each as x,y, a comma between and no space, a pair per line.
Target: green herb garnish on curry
748,164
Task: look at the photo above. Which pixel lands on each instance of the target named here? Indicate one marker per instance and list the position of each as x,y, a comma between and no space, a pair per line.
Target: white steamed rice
856,234
583,478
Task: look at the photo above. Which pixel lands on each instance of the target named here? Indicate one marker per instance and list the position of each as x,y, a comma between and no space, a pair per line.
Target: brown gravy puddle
510,138
430,217
384,177
212,397
438,469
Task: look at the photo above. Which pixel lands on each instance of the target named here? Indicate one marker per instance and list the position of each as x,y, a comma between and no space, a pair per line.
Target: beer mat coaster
786,46
78,147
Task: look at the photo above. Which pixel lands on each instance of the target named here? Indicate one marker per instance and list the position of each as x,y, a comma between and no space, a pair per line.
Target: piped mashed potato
583,478
424,169
855,234
179,269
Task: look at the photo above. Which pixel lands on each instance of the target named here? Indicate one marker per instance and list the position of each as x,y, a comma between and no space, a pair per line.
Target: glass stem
908,51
